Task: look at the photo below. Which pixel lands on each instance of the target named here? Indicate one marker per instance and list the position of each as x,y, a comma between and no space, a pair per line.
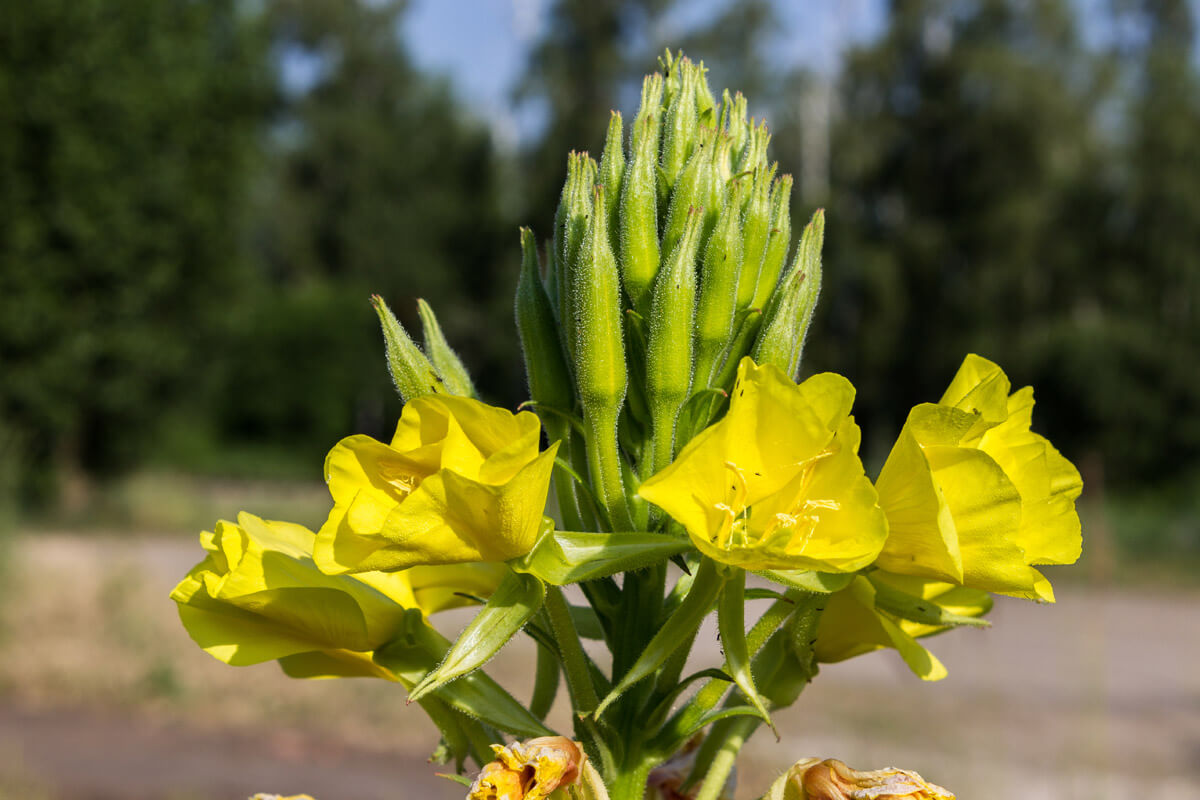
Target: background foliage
190,233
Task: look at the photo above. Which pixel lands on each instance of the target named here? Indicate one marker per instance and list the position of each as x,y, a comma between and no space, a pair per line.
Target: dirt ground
102,695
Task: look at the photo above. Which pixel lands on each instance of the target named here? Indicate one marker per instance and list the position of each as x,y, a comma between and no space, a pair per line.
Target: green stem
575,661
545,682
733,734
604,464
630,784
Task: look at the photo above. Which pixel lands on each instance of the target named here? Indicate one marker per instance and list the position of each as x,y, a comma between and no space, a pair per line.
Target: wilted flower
529,770
975,498
258,596
460,482
777,483
814,779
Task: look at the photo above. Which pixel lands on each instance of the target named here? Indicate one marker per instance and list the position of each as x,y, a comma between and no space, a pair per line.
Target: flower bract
460,482
777,484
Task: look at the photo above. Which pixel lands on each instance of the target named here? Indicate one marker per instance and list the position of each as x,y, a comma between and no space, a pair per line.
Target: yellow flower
258,596
973,497
529,770
853,623
460,482
777,483
814,779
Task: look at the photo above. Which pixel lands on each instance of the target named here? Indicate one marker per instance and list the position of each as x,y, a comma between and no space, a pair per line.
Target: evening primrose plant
663,323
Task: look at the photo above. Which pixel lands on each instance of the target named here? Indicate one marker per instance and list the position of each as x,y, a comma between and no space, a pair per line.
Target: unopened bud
778,243
787,316
445,360
638,226
412,372
549,381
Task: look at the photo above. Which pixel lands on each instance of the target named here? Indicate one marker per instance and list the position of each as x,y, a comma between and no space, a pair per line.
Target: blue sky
481,44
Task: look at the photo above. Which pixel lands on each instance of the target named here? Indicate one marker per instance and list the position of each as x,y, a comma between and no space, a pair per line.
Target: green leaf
659,714
918,609
722,713
587,623
731,622
419,648
516,599
679,628
808,581
563,557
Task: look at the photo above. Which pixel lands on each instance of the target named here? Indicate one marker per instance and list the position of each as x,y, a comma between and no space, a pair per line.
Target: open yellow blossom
258,596
830,779
853,622
973,496
777,484
460,482
529,770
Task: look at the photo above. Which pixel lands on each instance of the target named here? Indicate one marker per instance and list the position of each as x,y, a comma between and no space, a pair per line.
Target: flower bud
778,243
786,319
596,306
756,232
693,190
549,381
681,121
638,224
754,152
611,174
669,350
718,287
577,210
733,122
813,779
412,373
445,360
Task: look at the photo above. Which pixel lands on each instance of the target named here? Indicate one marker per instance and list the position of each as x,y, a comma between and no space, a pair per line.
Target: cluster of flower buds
663,272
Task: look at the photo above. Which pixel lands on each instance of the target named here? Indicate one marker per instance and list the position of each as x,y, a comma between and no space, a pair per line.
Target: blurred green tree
377,183
126,130
965,139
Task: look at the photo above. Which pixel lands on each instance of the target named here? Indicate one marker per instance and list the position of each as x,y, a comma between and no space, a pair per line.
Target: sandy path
1095,697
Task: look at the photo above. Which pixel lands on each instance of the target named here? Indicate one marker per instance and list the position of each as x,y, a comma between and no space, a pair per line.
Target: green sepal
462,780
918,609
419,648
412,373
516,599
746,326
778,243
765,594
731,622
809,581
700,410
545,363
678,628
454,374
565,557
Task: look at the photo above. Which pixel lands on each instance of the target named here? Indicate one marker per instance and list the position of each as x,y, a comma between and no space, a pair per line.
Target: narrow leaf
918,609
678,628
516,599
731,622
